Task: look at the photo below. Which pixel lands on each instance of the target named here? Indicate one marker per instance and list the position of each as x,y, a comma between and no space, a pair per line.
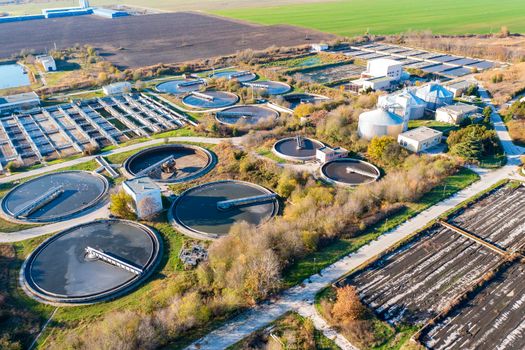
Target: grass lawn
315,262
265,152
357,17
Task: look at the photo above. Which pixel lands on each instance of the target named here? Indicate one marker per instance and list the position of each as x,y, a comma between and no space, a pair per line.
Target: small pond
13,76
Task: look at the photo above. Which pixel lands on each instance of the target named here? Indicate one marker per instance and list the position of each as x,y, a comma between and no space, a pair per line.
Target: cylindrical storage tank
379,122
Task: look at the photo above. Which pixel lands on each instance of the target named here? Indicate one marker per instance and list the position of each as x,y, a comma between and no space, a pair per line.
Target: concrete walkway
308,310
101,212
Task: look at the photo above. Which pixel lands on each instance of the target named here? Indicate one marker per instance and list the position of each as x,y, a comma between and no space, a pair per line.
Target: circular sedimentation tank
54,197
180,86
349,172
299,98
170,163
240,76
210,99
247,115
297,148
272,87
199,212
90,263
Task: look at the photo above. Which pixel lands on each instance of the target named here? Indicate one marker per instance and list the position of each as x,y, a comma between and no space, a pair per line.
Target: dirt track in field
146,40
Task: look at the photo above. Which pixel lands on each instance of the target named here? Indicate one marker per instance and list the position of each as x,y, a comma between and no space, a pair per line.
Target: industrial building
319,47
82,10
47,62
380,122
109,13
146,195
458,88
384,67
420,139
454,114
327,154
117,88
379,75
18,102
404,103
435,95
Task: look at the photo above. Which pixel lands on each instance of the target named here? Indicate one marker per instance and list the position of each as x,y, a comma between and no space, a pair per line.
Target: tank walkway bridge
93,253
254,200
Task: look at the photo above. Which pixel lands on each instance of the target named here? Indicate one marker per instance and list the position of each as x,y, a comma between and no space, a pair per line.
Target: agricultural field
138,41
357,17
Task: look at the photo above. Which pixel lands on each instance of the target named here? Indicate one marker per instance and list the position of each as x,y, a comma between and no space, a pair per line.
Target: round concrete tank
200,212
91,262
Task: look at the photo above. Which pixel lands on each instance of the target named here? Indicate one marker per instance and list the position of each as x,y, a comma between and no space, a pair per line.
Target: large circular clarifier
54,197
271,87
210,99
210,210
300,98
91,262
180,86
240,76
349,172
170,163
297,148
246,115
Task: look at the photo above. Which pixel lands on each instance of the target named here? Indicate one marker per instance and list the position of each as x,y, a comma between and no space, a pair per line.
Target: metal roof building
435,95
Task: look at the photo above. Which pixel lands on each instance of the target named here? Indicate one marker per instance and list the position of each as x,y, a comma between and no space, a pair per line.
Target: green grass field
354,17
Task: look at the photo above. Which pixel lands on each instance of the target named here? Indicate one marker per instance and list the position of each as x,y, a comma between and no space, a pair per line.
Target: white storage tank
379,122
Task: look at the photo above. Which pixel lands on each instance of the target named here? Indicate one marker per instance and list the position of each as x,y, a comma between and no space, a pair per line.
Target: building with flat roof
47,62
419,139
109,13
146,195
454,114
326,154
319,47
18,102
384,67
380,74
117,88
459,87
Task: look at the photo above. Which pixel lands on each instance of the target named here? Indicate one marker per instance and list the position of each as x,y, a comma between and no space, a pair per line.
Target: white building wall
446,116
418,146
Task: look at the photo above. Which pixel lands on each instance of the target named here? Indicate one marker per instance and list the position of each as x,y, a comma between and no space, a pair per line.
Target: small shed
146,194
